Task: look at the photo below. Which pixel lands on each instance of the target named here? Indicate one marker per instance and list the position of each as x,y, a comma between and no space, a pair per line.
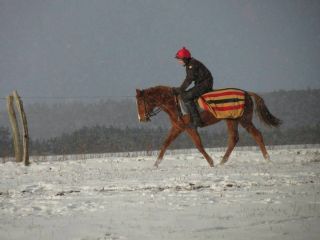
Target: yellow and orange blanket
223,103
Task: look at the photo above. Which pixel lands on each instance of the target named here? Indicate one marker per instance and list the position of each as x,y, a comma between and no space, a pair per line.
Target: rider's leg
194,114
189,97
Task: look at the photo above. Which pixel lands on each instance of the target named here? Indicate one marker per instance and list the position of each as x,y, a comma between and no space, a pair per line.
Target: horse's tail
264,113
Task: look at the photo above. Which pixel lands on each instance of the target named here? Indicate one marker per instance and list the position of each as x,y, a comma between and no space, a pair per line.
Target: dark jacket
197,73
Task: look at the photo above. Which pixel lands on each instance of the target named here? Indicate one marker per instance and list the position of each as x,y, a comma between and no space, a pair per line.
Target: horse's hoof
267,158
223,161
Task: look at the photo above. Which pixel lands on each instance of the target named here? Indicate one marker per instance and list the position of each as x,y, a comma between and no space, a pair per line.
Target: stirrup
197,121
192,125
195,125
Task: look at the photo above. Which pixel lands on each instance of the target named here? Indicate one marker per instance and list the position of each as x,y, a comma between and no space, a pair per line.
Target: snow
127,198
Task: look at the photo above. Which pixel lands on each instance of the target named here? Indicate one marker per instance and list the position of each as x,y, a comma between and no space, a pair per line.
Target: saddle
221,103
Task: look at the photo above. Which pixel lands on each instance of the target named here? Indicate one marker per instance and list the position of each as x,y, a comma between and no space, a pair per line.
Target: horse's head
145,105
148,100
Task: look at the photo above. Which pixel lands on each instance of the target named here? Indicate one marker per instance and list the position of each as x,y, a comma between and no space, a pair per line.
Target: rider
203,82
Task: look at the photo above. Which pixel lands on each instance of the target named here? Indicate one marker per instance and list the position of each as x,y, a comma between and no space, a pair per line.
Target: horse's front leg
197,141
233,138
173,134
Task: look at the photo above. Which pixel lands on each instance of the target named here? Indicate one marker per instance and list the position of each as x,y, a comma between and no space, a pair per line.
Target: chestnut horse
161,98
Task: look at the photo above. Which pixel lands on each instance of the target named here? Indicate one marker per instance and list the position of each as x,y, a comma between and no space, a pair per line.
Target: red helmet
183,53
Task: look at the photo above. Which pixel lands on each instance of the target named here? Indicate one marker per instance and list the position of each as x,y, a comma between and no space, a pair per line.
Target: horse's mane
159,88
159,92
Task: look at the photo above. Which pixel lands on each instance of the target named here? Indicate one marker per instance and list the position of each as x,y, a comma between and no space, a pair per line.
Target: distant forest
112,126
100,139
46,120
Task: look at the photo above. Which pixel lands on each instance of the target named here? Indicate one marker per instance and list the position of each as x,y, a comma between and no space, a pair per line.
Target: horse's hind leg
257,136
173,134
197,141
233,138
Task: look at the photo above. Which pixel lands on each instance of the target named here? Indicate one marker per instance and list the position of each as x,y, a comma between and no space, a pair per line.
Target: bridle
154,112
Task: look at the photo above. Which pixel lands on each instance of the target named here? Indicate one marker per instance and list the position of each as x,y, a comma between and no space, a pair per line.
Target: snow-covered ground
126,198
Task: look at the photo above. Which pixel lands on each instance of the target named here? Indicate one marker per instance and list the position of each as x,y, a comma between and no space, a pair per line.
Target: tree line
102,139
297,108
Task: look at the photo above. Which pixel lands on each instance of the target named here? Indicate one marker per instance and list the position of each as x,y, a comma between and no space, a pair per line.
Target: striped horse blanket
223,103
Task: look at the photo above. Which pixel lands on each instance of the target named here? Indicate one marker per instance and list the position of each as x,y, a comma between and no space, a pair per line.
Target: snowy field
126,198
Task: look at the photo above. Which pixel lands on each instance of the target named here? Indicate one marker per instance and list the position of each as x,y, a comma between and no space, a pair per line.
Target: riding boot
194,115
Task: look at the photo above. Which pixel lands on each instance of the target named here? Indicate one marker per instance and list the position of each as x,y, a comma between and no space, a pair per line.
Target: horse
152,100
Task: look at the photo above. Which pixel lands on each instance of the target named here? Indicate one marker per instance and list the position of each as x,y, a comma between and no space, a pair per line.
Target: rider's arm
186,83
191,70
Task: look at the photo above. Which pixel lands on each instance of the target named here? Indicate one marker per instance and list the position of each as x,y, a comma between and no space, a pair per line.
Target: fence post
25,133
15,129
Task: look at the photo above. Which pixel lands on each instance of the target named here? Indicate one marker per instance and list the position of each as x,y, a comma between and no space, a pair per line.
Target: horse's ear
138,92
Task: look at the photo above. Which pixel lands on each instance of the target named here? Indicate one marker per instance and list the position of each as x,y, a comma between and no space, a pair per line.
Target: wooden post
15,129
23,118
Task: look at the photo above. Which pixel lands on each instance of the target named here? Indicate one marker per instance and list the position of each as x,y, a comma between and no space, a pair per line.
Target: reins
158,109
154,112
151,114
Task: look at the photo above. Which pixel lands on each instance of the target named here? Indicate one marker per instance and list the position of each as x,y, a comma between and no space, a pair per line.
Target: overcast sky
110,47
